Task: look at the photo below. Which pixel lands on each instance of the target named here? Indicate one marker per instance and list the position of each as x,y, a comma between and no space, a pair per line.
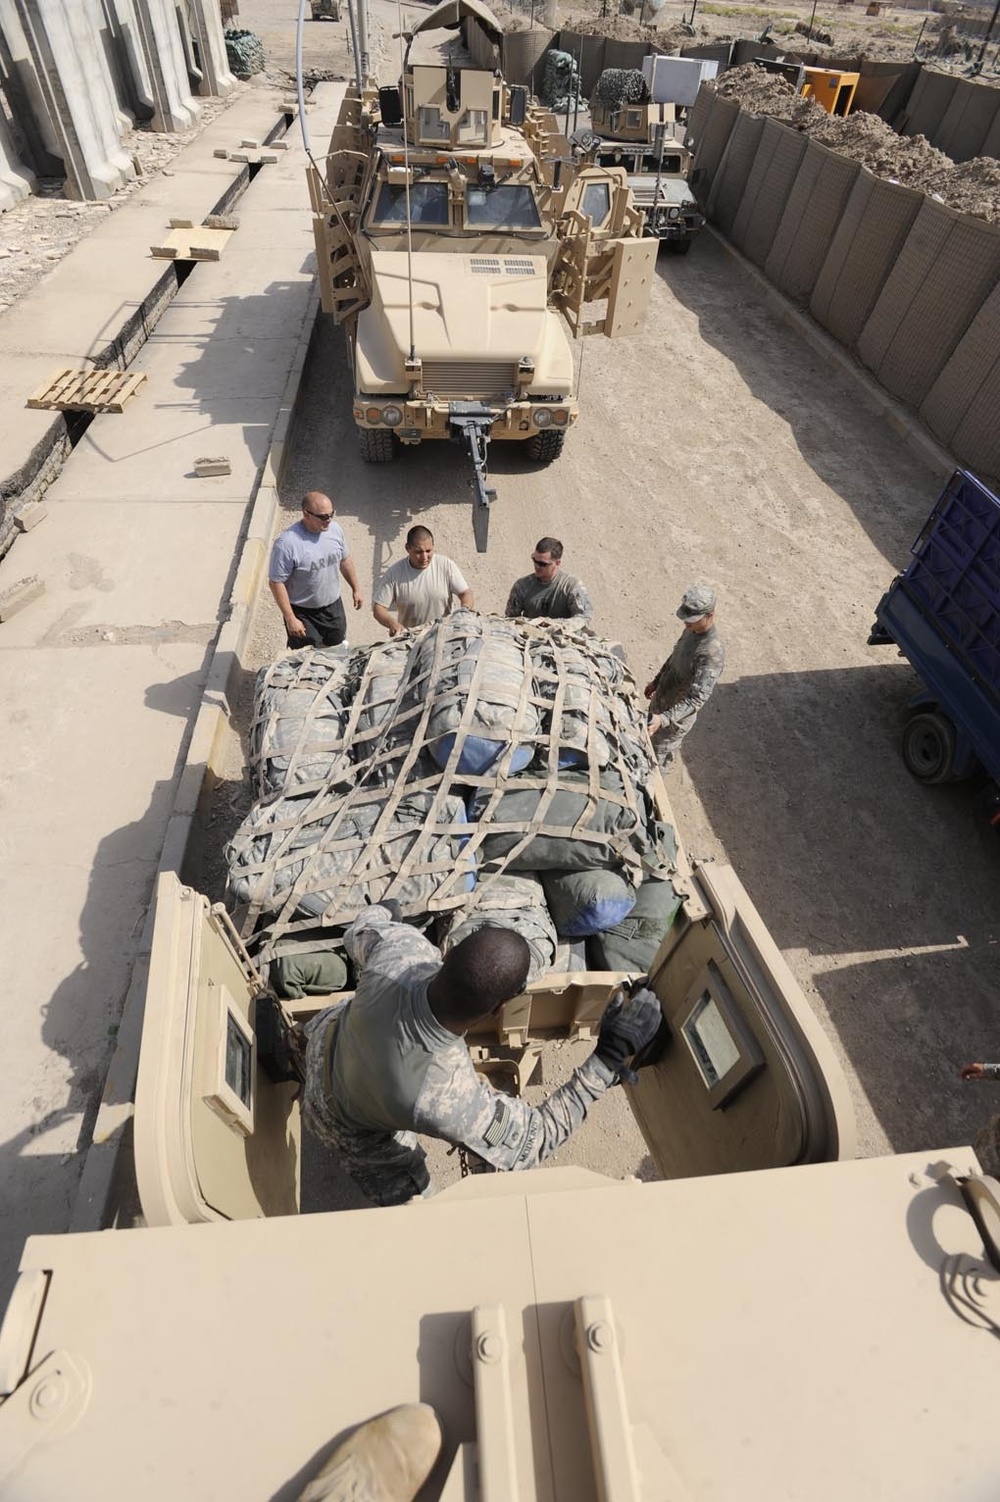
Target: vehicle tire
929,746
377,445
544,447
679,247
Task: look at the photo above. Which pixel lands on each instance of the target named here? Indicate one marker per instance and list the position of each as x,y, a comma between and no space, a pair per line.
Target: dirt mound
971,187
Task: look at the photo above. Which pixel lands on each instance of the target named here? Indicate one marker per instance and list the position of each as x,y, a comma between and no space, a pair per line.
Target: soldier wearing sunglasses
547,591
307,564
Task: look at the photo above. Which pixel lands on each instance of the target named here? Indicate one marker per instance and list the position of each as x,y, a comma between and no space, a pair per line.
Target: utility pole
813,17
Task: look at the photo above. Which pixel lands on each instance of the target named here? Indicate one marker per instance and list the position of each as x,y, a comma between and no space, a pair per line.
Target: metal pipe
811,20
363,38
299,86
354,46
986,38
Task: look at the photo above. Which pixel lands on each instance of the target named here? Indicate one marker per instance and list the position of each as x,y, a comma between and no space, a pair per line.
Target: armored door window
472,129
432,126
596,204
428,203
512,206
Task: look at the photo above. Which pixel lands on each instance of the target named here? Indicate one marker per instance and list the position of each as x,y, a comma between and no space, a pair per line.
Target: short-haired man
420,587
687,678
548,592
307,563
392,1060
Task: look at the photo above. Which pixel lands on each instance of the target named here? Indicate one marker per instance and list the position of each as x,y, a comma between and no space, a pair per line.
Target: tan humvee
452,255
640,138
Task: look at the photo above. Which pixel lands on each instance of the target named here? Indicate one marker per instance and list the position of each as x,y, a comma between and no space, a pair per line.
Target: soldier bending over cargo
687,678
548,592
392,1060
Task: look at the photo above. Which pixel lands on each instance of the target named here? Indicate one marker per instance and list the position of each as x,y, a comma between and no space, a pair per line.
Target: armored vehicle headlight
674,212
542,417
392,416
560,417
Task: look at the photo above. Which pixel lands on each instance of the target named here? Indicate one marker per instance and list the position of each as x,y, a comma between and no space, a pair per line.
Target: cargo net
619,86
478,770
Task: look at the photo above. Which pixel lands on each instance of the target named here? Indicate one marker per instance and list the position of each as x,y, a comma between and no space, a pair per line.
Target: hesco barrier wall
768,184
873,228
734,169
817,199
911,286
962,407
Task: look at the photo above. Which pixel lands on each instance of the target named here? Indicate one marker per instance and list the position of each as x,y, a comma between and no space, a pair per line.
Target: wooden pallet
191,242
87,390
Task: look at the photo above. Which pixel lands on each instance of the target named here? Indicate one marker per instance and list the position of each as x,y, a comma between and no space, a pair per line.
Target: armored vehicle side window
651,163
512,206
472,128
596,202
428,203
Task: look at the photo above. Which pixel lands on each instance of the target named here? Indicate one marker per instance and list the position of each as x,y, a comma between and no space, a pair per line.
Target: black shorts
326,625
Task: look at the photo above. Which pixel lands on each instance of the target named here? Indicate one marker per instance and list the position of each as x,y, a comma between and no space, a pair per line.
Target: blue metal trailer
943,613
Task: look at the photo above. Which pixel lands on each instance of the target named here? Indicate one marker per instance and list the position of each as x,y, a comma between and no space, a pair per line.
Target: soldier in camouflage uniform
547,592
687,678
393,1061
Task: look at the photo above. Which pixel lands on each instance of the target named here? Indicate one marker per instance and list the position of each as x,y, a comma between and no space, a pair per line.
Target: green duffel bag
316,972
632,944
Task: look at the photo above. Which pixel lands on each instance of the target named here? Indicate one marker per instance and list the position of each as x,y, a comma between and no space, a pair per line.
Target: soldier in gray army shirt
687,678
392,1060
547,592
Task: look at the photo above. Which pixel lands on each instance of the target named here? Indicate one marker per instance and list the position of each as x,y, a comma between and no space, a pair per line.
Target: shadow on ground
889,886
823,410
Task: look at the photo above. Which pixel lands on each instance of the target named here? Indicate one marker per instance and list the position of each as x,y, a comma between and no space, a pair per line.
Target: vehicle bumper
427,420
676,229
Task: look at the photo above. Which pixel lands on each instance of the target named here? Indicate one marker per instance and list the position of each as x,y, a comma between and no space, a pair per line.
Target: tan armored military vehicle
634,134
455,260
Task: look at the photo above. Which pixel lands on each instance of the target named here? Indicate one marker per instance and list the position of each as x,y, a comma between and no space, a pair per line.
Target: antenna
299,90
406,168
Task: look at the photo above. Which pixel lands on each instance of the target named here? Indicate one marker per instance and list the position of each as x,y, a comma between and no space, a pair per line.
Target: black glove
393,908
629,1024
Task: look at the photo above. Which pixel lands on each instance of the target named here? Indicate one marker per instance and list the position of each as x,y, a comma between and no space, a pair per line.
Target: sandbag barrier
413,805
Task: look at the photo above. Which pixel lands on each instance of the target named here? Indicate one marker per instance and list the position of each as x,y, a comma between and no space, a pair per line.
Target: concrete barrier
769,182
872,230
158,41
947,267
737,161
815,203
205,19
961,407
16,179
73,86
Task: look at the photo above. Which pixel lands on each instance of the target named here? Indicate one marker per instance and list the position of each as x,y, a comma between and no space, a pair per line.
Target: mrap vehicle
456,258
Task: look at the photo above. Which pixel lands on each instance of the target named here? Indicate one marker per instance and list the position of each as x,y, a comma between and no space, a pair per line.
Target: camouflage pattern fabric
683,684
561,600
405,1072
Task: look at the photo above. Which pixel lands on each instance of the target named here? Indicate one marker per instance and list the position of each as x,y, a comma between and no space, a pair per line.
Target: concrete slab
253,367
147,453
82,818
86,554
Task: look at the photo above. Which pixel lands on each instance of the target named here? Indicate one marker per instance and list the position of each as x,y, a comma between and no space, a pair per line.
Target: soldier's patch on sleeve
503,1120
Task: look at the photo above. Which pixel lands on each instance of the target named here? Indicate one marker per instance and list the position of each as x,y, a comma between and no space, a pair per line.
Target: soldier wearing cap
392,1060
687,678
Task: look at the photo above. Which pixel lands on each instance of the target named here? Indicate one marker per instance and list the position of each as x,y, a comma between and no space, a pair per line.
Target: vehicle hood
475,307
672,190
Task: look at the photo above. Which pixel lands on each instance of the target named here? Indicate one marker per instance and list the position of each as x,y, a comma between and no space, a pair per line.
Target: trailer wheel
377,445
929,747
544,447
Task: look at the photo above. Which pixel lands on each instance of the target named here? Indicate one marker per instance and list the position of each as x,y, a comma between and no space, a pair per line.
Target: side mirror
518,104
390,106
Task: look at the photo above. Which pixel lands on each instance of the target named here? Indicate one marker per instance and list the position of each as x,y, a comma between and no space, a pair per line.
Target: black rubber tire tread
377,445
544,447
679,247
928,747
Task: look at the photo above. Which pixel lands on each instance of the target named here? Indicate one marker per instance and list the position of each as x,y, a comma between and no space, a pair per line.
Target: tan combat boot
387,1459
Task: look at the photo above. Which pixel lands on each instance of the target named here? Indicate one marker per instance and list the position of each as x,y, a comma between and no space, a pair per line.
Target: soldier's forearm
544,1128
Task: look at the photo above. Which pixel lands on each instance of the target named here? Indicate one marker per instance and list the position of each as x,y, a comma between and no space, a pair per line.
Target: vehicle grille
509,266
469,378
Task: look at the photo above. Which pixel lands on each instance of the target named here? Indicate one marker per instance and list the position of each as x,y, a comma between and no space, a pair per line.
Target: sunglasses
319,516
544,562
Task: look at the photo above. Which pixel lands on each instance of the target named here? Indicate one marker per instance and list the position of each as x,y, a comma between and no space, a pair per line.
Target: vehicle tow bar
471,423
